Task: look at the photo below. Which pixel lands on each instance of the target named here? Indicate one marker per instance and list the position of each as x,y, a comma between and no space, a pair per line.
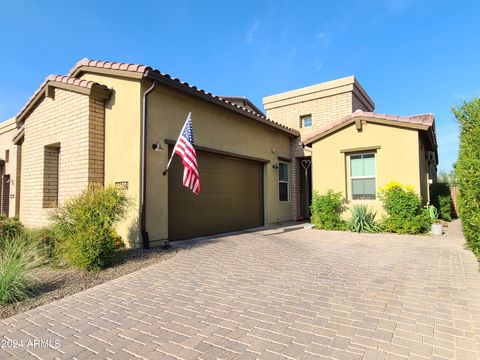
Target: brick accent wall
297,152
73,121
360,103
325,102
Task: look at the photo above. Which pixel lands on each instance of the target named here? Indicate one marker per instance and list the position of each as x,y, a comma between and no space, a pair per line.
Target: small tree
468,170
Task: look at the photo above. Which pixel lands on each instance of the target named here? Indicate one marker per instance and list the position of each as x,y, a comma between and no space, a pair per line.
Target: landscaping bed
51,283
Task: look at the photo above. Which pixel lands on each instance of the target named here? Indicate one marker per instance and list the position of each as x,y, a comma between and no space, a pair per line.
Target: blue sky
411,56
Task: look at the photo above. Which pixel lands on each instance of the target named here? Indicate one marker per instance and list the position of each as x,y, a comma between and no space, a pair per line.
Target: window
362,175
50,175
283,182
306,121
7,156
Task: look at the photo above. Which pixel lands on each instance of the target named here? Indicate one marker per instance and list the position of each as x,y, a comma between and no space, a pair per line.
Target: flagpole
173,151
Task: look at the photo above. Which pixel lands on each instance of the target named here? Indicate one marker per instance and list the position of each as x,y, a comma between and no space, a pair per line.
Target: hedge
468,170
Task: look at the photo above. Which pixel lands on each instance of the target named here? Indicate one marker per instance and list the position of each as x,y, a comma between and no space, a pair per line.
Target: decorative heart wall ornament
306,164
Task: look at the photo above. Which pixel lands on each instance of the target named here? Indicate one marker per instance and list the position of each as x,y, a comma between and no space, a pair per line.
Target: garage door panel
231,197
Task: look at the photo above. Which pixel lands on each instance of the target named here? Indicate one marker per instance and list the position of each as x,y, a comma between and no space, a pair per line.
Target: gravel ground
52,284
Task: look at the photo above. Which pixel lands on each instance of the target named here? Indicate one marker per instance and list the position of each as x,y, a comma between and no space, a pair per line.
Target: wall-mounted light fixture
157,147
275,166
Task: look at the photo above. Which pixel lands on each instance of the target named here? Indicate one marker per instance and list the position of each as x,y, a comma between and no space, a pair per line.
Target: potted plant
437,227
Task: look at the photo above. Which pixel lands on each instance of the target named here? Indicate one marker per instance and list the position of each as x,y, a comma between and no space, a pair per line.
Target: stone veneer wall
74,123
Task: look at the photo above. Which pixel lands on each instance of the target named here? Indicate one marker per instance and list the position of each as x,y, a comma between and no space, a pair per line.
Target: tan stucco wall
396,160
122,144
73,121
8,129
214,128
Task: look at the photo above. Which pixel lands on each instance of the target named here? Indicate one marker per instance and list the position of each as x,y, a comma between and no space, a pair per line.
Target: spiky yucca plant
363,219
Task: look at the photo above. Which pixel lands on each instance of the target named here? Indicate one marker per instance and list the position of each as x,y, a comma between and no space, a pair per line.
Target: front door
305,170
5,195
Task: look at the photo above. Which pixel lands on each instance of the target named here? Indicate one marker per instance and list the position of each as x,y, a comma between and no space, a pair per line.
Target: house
350,148
9,169
116,123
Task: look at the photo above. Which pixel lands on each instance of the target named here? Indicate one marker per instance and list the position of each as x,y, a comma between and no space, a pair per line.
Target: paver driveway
282,293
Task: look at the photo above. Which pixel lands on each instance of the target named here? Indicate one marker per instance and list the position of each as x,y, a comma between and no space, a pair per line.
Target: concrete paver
283,293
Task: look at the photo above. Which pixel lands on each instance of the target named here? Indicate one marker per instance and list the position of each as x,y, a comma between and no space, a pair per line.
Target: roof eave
113,72
367,119
193,91
18,136
97,91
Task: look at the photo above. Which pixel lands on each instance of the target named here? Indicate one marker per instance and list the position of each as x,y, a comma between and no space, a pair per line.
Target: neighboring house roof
64,82
425,122
146,72
244,100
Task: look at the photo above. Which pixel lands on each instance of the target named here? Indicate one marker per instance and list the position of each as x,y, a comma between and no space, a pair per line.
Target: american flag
184,147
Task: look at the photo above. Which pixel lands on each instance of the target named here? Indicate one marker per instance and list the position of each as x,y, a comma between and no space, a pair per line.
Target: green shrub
405,214
363,219
84,225
48,240
10,227
327,210
441,198
445,207
18,257
468,170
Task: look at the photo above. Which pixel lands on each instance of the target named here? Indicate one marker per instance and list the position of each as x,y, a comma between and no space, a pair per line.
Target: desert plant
362,219
48,239
445,207
405,214
84,225
327,210
10,227
468,170
19,255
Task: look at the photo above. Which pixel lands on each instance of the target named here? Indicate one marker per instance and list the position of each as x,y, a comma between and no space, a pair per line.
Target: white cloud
323,38
250,35
397,6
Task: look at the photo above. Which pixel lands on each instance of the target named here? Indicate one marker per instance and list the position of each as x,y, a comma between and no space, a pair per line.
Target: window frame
374,153
302,122
280,181
49,201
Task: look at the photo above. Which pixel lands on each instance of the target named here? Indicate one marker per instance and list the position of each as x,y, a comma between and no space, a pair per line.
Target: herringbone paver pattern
277,294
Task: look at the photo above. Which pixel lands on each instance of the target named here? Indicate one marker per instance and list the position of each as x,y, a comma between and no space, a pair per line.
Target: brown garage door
231,197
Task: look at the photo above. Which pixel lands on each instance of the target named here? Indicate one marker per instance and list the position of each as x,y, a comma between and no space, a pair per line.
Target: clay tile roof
60,79
108,65
427,120
146,70
250,113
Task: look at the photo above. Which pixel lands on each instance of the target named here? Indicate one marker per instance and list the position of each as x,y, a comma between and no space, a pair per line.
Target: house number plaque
122,185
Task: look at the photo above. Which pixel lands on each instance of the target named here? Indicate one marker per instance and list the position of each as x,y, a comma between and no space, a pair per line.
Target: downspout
143,183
